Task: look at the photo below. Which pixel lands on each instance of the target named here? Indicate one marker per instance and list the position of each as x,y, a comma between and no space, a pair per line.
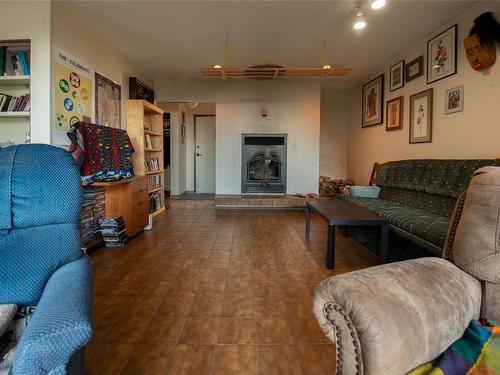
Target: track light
359,20
377,4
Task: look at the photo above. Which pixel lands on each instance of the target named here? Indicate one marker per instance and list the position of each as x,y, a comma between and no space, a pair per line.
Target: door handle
198,154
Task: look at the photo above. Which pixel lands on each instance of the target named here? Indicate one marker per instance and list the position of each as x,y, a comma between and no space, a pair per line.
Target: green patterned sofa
417,197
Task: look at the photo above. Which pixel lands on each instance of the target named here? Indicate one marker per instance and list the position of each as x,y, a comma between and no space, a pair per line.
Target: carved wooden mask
480,56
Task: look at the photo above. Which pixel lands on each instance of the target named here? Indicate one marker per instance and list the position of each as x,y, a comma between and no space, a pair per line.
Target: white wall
473,133
31,20
72,35
334,132
293,108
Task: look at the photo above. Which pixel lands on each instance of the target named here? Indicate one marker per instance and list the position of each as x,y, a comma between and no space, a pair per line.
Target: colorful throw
476,353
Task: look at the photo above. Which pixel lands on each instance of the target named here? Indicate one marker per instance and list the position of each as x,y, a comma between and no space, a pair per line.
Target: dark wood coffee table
338,212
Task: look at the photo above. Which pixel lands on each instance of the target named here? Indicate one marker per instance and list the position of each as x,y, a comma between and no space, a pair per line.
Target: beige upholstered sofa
389,319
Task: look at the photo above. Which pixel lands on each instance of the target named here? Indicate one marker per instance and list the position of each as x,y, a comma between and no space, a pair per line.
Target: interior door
204,154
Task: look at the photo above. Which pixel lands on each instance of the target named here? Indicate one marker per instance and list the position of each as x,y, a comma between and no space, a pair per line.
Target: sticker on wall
72,90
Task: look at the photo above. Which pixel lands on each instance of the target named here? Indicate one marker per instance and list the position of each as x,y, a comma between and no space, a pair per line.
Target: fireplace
263,164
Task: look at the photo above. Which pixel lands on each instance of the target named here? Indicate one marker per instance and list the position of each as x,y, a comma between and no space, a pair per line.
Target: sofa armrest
389,319
62,322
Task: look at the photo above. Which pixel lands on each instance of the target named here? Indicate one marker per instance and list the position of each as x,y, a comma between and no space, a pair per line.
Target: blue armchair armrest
61,324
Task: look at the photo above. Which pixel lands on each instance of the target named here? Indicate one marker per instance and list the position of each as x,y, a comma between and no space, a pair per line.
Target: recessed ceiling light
359,20
377,4
217,66
359,24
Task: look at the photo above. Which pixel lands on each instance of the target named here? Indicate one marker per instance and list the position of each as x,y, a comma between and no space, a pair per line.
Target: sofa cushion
420,223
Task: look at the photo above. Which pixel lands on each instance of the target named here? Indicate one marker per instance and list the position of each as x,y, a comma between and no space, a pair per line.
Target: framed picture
394,114
139,90
442,55
373,102
421,117
454,100
414,69
107,102
397,76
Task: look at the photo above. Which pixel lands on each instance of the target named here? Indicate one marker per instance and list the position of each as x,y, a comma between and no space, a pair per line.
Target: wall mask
481,44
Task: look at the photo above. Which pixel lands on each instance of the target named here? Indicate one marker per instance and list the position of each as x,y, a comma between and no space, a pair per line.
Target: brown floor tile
269,307
317,359
237,331
175,305
180,287
200,331
163,330
274,331
143,306
207,305
216,274
149,359
190,360
212,287
235,360
126,330
299,306
106,358
307,330
237,305
278,359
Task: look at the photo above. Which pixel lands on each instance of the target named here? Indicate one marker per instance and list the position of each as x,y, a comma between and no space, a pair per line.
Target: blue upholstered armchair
40,259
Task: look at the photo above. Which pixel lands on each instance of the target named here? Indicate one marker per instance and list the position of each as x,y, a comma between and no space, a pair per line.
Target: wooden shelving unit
15,127
145,119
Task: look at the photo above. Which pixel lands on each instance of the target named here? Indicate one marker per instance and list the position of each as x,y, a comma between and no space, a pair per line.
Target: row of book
151,164
154,181
147,141
113,231
15,61
10,103
92,211
154,202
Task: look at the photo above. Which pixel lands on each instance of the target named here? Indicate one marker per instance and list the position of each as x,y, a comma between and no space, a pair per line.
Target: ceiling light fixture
326,66
217,66
378,4
359,20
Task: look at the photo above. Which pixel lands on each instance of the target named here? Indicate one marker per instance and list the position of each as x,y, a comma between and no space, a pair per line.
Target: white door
204,154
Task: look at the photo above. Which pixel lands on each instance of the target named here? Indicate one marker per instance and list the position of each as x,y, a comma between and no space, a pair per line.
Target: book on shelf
152,164
147,141
154,182
15,61
154,202
10,103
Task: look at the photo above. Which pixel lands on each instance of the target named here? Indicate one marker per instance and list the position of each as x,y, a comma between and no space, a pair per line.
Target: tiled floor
215,292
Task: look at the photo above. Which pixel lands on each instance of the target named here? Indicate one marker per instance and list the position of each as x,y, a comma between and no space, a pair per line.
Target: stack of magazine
113,231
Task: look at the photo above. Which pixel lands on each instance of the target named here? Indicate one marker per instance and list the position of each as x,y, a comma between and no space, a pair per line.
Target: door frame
194,154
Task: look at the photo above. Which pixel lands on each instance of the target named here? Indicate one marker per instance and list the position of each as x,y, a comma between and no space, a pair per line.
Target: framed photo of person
421,117
394,114
442,55
414,69
397,76
454,100
372,104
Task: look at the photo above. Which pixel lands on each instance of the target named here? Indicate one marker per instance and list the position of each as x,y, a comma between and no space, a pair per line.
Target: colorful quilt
476,353
104,149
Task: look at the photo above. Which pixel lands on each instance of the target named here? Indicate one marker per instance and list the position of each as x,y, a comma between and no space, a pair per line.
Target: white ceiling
173,39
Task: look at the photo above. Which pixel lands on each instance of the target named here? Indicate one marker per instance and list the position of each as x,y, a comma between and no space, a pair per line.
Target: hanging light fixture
226,56
359,19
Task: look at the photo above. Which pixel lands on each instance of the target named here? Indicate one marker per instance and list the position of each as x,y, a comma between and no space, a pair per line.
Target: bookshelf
15,92
145,129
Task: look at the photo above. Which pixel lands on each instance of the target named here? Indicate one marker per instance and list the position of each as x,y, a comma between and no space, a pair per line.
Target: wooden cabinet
129,199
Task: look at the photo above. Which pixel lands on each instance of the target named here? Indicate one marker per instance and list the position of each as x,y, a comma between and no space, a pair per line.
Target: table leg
384,239
330,248
308,221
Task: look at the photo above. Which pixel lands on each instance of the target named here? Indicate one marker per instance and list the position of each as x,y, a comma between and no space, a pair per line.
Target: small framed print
454,100
373,102
442,55
421,117
394,114
397,76
414,69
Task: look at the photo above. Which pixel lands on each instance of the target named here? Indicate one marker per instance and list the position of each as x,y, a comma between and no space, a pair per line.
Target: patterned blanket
476,353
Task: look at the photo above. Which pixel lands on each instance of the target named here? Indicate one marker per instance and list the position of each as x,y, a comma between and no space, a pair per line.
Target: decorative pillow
6,314
364,191
11,337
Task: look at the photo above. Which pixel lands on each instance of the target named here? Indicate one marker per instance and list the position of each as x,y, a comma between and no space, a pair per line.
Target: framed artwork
139,90
454,100
442,55
373,102
397,76
394,114
421,117
414,69
107,102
